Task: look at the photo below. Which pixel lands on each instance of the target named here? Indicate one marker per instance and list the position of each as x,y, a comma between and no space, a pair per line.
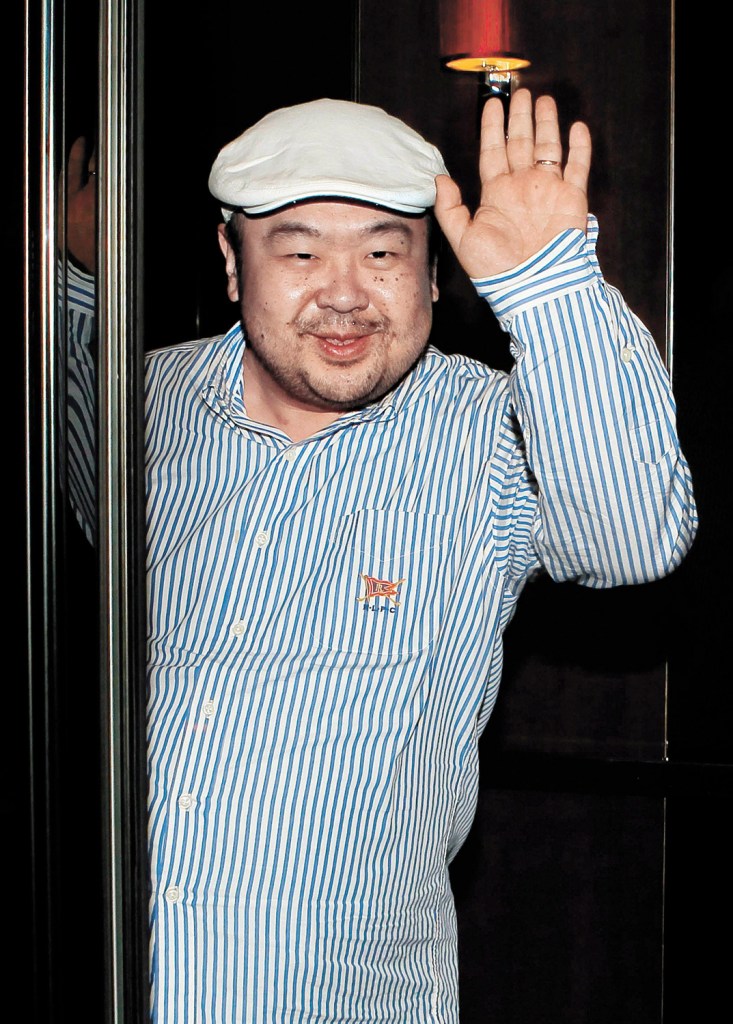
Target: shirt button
185,800
290,455
238,629
627,353
261,539
173,894
209,709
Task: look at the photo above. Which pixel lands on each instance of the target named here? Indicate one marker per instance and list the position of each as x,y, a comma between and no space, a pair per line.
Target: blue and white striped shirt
325,638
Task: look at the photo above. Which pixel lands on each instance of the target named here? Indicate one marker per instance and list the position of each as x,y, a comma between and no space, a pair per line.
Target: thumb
451,214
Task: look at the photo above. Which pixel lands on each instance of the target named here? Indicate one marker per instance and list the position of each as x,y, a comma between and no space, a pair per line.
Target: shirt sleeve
594,403
79,427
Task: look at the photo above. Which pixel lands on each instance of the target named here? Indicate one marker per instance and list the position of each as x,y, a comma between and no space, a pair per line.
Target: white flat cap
327,148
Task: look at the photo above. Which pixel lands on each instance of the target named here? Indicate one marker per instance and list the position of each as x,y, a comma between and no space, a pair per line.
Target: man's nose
343,288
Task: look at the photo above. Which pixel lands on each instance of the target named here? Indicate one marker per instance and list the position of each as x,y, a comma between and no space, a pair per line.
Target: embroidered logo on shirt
376,588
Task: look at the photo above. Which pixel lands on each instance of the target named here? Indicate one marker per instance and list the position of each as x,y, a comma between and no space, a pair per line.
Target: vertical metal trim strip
112,233
40,318
670,366
122,592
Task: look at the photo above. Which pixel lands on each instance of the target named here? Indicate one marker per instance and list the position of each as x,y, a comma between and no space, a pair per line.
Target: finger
451,214
579,156
520,132
547,143
492,157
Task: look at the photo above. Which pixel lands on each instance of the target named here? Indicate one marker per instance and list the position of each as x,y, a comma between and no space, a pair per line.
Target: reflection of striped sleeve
80,421
593,399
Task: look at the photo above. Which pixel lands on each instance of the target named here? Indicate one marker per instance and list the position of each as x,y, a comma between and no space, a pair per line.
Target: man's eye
303,255
379,254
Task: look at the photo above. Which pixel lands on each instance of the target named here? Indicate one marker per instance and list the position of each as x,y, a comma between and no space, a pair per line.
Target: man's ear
231,264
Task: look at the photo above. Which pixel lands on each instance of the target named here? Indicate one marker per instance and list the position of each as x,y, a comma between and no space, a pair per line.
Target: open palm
524,203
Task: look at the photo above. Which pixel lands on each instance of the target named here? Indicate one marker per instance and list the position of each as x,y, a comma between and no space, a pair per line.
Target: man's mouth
344,340
341,339
343,346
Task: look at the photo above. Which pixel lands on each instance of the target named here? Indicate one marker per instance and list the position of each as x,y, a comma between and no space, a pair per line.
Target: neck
277,409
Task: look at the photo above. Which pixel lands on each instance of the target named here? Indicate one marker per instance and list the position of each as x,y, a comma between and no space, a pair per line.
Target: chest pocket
382,583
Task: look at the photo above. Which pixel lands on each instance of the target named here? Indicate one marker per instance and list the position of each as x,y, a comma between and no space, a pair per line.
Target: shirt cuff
565,264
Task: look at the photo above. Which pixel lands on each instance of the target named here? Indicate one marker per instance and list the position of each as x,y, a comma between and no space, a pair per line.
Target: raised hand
527,197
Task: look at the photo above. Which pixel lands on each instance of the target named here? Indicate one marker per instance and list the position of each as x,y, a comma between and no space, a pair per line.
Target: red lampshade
477,34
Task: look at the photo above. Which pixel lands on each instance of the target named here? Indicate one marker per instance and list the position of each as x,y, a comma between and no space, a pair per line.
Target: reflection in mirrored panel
62,564
87,772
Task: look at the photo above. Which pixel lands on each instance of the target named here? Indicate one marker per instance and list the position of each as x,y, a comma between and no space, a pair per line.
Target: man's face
336,301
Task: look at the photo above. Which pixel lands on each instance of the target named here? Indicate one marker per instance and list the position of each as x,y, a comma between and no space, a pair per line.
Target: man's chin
345,403
356,394
330,399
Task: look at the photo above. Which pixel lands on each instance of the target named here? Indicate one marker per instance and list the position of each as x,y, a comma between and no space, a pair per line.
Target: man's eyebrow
292,227
388,227
296,227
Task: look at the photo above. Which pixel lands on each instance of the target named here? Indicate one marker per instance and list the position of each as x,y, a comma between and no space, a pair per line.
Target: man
341,520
